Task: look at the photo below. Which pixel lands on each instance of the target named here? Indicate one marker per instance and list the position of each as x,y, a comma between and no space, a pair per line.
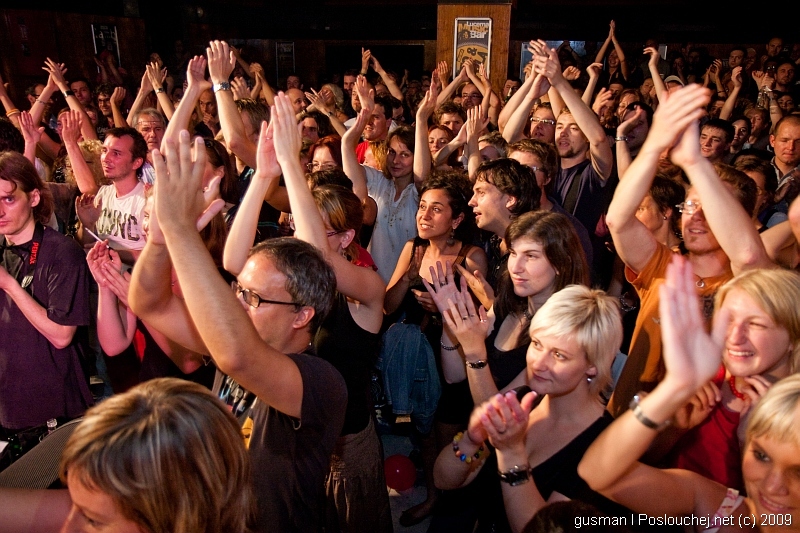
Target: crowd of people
579,288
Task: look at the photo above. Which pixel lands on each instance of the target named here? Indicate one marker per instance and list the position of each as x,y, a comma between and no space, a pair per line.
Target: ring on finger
464,318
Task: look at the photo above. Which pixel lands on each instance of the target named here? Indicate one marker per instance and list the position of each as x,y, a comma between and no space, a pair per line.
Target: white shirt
396,222
121,218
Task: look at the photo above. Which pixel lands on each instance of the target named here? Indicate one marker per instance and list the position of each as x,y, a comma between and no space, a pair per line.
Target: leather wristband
516,475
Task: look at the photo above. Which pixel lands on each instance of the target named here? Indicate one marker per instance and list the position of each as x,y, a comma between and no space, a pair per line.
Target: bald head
297,98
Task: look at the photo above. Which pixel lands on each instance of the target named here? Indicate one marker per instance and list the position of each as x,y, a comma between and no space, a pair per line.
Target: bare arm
652,64
781,244
361,284
224,325
516,123
623,65
692,358
145,88
350,163
623,153
220,65
726,217
243,230
447,92
196,84
422,155
514,102
406,269
33,511
57,71
32,135
394,90
157,82
594,75
117,99
11,110
730,102
599,150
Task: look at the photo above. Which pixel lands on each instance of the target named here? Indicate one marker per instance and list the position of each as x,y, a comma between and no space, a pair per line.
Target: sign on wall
472,40
105,41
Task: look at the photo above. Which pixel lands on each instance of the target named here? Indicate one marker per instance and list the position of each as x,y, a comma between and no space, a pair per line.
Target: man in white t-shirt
115,212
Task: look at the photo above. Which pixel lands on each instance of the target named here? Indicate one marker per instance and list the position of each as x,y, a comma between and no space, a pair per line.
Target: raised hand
476,122
181,201
118,96
30,132
116,279
266,160
469,325
675,113
428,104
549,66
691,356
365,95
196,74
612,28
594,70
155,75
317,102
487,85
654,56
736,76
444,72
56,71
365,57
571,73
96,258
221,61
603,100
239,88
632,122
286,139
376,64
71,127
538,48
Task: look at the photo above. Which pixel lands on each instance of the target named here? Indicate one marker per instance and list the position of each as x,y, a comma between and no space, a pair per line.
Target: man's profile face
208,104
786,143
117,159
82,92
489,205
785,74
510,87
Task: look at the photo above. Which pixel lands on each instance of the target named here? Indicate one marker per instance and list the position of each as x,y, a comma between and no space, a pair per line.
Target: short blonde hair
777,293
777,414
169,454
592,318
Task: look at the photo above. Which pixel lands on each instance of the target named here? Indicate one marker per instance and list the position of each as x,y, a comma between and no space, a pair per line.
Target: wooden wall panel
501,25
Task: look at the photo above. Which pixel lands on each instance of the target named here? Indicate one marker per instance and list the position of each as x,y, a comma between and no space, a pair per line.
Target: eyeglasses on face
254,300
548,121
316,165
689,207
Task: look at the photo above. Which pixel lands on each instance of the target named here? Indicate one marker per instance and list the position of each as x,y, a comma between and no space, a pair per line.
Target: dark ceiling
674,21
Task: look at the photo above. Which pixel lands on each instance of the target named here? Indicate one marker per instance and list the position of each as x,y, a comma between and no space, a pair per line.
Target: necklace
700,283
527,314
732,384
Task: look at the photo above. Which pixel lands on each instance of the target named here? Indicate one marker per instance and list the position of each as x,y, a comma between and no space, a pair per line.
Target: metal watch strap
516,475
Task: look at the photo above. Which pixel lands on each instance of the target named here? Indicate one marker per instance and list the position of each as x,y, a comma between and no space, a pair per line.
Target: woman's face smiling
755,344
771,471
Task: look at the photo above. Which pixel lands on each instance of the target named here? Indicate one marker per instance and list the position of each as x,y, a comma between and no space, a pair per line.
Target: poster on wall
105,41
284,61
473,40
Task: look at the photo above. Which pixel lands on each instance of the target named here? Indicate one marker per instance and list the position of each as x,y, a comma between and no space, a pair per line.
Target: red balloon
400,472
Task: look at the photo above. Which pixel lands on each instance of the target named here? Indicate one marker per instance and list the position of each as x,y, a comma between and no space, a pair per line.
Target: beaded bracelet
449,348
476,457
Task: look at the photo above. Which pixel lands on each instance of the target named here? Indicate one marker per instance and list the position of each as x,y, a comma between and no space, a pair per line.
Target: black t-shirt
290,457
37,380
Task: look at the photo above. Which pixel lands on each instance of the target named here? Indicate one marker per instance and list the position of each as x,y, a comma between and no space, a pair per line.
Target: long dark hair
562,248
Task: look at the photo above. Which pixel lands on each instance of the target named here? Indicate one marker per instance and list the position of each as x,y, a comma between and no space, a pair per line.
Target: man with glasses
718,233
470,96
543,124
259,335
